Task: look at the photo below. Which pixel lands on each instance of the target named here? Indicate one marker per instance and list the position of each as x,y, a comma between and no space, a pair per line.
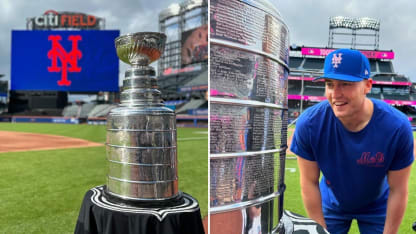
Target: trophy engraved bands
249,53
141,132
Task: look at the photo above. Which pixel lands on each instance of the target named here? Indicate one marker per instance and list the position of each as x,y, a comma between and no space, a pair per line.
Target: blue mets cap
346,65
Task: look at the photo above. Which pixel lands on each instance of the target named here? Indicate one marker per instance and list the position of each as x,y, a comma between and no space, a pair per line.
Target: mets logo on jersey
68,60
375,160
336,59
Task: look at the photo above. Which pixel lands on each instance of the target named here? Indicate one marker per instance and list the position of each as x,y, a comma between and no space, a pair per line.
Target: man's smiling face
347,98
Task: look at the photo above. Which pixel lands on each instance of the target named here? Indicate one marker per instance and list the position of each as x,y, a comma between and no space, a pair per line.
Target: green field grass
42,191
293,200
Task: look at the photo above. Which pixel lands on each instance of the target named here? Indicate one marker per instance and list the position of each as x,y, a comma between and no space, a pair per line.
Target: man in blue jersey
362,146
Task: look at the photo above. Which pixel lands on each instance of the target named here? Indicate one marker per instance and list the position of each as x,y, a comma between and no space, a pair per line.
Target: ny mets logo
376,160
336,60
69,61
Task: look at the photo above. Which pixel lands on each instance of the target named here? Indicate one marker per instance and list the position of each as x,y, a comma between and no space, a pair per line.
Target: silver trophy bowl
141,132
140,48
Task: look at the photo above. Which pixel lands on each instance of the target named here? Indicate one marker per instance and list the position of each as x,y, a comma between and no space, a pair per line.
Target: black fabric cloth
98,215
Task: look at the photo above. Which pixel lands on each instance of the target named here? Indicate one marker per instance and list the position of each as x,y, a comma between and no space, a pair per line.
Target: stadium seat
387,78
101,110
85,109
373,65
70,111
400,79
192,104
295,62
385,66
314,64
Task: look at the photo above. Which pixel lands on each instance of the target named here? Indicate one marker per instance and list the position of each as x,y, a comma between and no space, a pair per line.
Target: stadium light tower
368,23
341,22
353,28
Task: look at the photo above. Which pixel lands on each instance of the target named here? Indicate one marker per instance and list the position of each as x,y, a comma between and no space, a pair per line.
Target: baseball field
41,191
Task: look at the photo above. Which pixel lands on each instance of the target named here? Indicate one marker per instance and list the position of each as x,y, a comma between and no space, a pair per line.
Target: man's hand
311,195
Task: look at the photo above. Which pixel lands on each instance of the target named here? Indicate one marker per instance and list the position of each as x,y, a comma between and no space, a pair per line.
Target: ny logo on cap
336,60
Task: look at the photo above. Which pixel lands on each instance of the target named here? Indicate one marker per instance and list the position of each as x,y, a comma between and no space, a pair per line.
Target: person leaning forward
362,146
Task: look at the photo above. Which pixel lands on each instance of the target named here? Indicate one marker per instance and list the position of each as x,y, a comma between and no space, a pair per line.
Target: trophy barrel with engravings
249,54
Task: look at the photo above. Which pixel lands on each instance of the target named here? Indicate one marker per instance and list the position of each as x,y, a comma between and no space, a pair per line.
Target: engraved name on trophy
141,132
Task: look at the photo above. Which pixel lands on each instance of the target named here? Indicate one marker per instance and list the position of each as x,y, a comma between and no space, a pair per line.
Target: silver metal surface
245,204
142,155
254,27
141,132
249,55
140,49
260,218
245,102
145,191
247,76
239,154
266,6
142,172
243,179
149,138
237,128
249,49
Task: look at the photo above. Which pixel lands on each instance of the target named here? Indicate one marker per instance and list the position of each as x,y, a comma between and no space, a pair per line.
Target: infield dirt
21,141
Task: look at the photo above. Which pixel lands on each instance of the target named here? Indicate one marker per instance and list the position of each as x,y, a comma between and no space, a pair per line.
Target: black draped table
98,215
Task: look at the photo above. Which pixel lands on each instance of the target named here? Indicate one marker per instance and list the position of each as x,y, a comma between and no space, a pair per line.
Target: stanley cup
249,53
141,132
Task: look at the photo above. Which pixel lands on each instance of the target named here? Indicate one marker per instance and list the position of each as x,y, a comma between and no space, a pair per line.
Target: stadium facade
43,90
4,87
362,34
183,68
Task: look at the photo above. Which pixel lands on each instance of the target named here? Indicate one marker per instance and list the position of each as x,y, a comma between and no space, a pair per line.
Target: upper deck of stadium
306,63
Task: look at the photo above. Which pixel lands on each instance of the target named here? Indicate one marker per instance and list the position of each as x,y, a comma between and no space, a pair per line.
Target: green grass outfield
293,200
42,191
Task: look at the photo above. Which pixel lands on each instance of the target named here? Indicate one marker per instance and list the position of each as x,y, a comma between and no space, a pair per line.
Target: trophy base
144,203
98,213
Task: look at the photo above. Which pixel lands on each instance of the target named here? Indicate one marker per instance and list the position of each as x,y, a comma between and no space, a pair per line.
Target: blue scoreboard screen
77,61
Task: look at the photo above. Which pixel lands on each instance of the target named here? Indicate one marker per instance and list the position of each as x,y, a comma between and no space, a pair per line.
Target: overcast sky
308,21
